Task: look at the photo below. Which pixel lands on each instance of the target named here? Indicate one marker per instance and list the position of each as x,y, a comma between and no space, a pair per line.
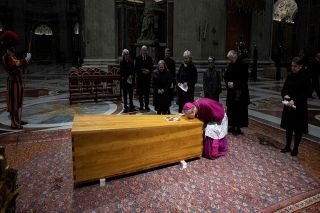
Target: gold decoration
285,10
43,30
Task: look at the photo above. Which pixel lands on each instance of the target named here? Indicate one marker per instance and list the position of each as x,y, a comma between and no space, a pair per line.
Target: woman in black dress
161,89
295,93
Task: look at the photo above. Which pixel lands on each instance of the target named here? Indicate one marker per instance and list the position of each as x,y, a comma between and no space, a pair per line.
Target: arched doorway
238,30
239,21
43,43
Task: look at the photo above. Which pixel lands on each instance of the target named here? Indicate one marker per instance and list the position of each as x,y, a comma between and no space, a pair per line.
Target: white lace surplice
215,130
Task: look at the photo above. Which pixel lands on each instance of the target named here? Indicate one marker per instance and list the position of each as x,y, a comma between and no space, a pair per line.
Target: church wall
213,29
197,25
200,28
193,28
186,28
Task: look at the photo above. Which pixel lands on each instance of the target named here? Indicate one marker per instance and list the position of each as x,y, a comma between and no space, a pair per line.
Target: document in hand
129,80
184,88
286,103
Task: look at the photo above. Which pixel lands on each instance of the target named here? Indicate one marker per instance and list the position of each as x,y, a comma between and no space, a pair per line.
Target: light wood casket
109,145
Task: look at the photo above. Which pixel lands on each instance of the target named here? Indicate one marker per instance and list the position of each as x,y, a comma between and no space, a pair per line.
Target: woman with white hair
236,78
187,77
161,87
127,80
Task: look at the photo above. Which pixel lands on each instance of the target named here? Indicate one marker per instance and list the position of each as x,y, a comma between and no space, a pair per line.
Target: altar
105,146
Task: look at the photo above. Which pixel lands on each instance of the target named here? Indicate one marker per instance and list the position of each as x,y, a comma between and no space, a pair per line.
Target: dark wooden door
43,48
238,29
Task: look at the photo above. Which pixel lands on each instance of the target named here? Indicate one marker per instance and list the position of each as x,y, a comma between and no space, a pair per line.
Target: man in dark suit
143,68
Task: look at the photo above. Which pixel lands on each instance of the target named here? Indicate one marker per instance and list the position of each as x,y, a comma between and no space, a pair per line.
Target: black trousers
144,93
127,90
297,138
315,84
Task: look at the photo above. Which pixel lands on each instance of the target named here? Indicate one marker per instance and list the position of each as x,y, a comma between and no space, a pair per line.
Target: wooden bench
110,145
94,84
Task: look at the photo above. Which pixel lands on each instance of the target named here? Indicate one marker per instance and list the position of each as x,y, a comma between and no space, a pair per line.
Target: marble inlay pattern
250,178
46,101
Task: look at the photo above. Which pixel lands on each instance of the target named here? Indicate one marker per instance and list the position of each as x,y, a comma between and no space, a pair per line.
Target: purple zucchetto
187,108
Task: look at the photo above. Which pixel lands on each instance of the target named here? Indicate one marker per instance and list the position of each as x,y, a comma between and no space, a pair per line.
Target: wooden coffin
109,145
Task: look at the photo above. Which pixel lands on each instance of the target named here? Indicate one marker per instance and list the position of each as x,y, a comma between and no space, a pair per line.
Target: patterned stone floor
41,152
46,102
253,177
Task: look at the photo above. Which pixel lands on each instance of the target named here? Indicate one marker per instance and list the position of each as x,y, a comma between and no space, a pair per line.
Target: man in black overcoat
236,78
143,69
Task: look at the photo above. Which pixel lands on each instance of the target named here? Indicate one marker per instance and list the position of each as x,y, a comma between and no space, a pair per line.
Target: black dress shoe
284,150
125,110
16,127
237,131
294,153
132,109
23,122
147,109
141,109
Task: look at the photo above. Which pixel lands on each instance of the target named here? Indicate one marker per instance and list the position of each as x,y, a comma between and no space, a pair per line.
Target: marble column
99,33
170,16
62,37
261,31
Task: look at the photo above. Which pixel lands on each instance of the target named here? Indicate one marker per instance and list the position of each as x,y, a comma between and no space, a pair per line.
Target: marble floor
46,103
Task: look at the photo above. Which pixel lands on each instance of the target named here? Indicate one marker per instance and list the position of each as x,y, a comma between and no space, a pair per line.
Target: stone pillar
302,25
99,33
18,24
261,31
170,16
123,43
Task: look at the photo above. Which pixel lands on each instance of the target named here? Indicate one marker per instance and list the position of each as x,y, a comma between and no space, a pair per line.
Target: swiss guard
14,67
